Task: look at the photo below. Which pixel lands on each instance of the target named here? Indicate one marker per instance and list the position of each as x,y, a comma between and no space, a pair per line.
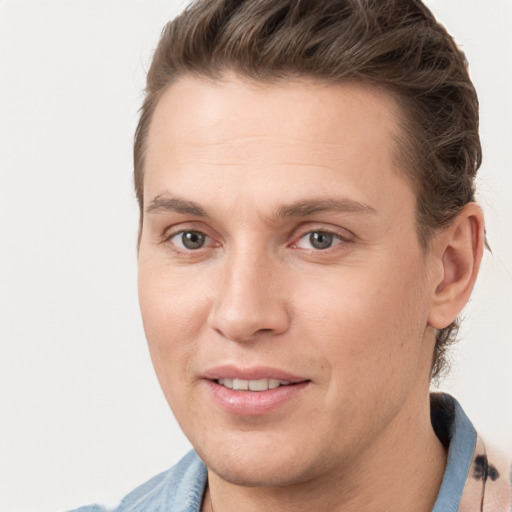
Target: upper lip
250,373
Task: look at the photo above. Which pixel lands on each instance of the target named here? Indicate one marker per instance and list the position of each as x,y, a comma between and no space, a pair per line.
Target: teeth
273,383
258,385
252,385
240,384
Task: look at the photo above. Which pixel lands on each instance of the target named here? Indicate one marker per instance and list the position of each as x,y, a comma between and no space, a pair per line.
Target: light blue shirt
181,488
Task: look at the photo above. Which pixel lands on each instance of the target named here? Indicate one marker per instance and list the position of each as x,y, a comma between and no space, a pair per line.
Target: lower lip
253,403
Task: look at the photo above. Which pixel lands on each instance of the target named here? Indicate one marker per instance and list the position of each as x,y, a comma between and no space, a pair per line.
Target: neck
402,471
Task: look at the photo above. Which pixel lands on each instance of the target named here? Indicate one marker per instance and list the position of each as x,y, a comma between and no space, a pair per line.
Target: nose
250,301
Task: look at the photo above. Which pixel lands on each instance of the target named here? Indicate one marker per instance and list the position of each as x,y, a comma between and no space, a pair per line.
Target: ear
458,250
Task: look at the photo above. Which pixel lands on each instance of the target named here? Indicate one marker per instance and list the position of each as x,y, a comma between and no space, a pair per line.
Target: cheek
369,324
173,314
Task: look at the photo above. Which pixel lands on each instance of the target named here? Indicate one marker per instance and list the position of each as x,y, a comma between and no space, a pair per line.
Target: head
305,176
396,46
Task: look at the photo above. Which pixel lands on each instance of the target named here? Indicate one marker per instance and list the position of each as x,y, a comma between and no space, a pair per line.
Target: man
305,174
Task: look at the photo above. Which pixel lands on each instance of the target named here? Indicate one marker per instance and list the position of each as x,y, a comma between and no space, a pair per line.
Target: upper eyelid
329,231
181,227
342,233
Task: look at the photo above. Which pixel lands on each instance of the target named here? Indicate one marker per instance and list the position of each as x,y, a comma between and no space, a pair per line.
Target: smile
252,385
254,397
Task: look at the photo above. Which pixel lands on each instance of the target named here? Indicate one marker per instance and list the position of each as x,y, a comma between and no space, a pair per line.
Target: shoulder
477,476
179,489
489,483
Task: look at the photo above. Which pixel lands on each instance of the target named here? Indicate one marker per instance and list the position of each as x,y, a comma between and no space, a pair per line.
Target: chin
254,474
257,464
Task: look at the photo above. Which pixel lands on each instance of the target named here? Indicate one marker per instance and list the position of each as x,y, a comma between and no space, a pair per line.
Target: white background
82,416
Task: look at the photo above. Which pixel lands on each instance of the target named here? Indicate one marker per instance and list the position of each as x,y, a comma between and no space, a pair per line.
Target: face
284,293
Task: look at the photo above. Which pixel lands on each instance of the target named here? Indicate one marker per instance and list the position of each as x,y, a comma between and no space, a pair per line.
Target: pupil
320,240
193,239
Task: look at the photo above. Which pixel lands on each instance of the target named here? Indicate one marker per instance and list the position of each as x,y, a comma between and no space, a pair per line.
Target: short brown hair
394,44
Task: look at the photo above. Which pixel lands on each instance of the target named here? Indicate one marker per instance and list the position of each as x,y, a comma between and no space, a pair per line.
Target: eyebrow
164,203
310,207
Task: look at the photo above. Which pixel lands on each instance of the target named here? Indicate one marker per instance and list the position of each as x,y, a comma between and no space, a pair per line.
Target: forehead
300,109
296,135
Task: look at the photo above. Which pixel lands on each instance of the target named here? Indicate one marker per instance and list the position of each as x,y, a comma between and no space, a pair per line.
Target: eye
189,240
319,240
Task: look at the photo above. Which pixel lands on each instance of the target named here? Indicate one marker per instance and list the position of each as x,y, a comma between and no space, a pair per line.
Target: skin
356,319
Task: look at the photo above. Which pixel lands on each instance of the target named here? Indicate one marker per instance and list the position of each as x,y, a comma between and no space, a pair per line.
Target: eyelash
167,239
341,240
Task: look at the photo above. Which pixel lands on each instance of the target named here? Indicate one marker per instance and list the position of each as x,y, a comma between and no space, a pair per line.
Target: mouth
254,391
253,385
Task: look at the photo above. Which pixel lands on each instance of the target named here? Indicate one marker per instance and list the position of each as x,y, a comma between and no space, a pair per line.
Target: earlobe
459,249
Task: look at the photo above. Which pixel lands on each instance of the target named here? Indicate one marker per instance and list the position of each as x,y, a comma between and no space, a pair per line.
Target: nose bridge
248,299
